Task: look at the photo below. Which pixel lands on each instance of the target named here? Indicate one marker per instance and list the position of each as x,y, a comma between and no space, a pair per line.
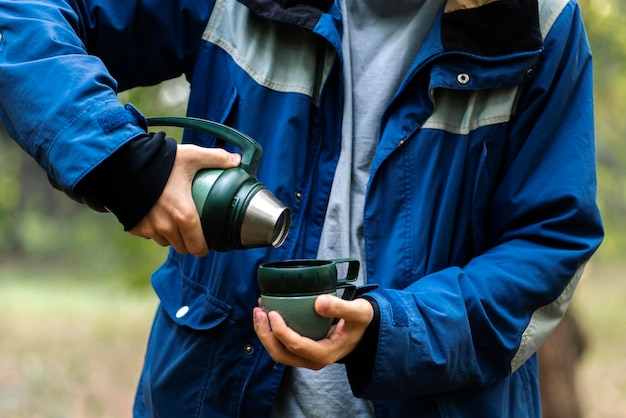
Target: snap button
248,349
298,195
529,73
182,312
463,78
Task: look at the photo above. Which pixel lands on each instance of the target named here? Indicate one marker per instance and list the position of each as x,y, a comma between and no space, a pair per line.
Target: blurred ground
74,348
70,349
599,305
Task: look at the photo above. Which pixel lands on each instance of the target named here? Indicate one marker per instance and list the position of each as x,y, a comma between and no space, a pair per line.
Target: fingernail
257,316
273,317
236,158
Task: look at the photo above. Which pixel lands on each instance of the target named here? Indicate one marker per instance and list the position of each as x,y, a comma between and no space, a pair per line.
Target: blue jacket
480,210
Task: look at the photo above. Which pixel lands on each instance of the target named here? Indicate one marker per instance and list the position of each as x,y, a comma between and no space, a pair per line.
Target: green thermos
236,210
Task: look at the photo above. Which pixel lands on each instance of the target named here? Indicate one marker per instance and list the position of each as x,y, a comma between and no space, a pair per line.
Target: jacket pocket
487,176
186,302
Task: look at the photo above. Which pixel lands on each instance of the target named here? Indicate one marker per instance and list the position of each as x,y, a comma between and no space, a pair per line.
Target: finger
264,327
264,331
287,336
165,232
179,223
162,241
261,324
164,237
193,236
358,310
176,241
298,350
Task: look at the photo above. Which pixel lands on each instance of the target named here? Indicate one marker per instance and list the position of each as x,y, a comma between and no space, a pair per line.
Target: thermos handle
251,151
353,269
351,275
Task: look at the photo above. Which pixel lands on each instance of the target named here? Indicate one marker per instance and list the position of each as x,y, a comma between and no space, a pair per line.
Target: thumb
330,306
203,157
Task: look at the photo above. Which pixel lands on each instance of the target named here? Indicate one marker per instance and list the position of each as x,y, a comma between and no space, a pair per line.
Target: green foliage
41,226
607,36
9,190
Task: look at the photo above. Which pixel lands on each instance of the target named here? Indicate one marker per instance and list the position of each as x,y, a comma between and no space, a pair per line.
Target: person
447,145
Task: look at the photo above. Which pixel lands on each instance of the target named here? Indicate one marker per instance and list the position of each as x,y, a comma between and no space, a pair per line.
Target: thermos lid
301,277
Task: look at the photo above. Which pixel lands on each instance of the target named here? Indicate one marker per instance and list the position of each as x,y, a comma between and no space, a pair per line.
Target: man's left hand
288,347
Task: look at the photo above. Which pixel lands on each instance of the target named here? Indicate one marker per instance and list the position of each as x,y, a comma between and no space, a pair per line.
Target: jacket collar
491,27
481,27
305,13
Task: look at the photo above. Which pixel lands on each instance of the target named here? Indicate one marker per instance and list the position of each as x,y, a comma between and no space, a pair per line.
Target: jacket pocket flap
186,302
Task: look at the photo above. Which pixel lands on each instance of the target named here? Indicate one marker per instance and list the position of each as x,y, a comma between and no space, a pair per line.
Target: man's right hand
174,220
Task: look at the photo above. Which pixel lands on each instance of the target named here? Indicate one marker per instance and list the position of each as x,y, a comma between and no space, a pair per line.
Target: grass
70,349
599,305
74,348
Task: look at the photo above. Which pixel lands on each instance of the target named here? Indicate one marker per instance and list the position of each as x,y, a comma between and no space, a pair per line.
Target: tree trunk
558,359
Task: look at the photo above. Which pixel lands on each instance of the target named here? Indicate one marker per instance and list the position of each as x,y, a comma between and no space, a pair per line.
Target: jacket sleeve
63,62
472,326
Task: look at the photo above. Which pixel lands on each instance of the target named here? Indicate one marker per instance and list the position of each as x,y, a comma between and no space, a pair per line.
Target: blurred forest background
74,288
